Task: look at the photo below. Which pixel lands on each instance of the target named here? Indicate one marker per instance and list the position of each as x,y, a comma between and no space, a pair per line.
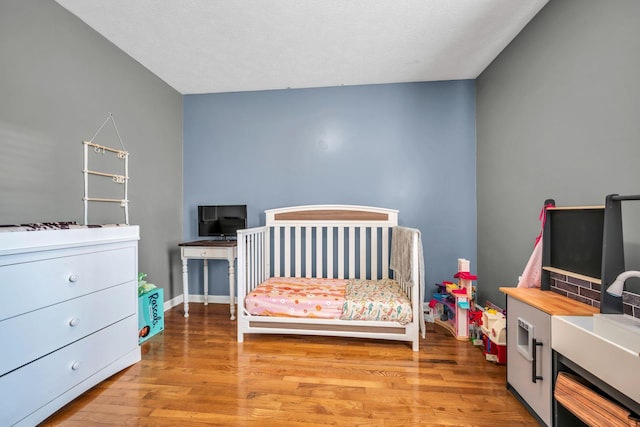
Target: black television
222,221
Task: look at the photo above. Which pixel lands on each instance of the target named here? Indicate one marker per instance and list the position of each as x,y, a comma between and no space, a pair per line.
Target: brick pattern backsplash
589,293
631,304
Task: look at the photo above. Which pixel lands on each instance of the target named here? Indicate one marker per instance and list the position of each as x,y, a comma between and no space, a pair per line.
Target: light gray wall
558,116
59,80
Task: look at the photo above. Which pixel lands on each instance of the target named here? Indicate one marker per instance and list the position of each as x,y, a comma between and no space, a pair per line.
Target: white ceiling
208,46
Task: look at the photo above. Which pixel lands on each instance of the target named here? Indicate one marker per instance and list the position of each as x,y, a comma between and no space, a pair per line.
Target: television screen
221,220
575,240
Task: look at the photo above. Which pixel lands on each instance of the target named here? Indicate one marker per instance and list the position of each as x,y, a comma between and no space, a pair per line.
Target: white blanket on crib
402,263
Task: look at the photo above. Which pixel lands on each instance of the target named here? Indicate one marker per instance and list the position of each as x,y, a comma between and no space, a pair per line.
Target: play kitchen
573,345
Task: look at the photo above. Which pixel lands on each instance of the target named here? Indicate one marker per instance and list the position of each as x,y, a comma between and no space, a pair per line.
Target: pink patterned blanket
346,299
298,297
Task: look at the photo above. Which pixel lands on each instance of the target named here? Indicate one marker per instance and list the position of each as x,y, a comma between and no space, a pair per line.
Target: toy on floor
150,309
143,285
494,334
452,302
475,326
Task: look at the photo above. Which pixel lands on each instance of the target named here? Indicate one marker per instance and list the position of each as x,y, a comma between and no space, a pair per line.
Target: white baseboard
173,302
212,299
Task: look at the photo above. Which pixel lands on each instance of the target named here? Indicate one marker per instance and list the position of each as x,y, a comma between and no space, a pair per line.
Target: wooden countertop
550,302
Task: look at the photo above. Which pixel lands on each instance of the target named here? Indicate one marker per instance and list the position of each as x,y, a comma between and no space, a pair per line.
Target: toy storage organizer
452,305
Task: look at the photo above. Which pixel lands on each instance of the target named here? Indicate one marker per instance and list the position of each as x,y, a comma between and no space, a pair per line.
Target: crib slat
260,257
287,252
276,251
298,252
252,259
319,262
385,253
257,240
257,257
330,251
374,253
263,267
241,273
352,252
298,256
340,252
255,244
266,256
307,252
362,274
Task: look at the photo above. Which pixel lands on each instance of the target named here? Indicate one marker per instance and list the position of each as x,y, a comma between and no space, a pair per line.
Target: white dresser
68,316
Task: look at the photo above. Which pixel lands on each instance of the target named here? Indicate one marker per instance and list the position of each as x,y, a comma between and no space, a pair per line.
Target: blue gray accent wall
407,146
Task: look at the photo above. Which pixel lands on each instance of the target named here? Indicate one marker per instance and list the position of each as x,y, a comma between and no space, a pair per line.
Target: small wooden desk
206,250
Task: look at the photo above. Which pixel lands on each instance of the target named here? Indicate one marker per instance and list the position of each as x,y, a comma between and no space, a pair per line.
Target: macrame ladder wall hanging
116,178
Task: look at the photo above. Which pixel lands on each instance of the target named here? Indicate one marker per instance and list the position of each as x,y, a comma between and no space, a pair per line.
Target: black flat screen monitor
221,220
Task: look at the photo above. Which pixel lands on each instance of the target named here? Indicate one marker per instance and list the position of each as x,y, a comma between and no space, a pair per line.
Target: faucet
616,287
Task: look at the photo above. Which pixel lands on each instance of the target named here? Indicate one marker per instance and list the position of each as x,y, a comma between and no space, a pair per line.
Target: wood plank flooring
196,374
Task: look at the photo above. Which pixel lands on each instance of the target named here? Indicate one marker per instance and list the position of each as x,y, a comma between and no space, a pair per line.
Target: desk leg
205,280
232,291
185,287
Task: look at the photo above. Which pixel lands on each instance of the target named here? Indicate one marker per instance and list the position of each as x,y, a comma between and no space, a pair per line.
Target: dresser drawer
38,383
28,286
40,332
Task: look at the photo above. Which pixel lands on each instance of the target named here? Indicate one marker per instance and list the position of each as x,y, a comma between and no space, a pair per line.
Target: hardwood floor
196,374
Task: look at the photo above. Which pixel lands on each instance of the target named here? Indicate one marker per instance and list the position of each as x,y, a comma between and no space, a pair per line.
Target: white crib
329,241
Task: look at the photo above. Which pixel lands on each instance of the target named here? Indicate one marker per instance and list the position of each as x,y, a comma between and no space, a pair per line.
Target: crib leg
416,345
241,326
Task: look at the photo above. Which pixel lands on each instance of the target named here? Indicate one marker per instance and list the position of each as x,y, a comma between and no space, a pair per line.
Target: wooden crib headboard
341,241
331,214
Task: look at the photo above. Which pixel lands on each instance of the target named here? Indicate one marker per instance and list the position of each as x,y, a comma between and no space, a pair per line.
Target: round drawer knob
75,366
203,254
74,278
74,321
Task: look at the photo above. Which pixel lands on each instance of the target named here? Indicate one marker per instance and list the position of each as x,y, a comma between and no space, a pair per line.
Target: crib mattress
297,297
330,299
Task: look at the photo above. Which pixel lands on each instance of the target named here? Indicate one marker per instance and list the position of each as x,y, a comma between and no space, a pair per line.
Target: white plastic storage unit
68,316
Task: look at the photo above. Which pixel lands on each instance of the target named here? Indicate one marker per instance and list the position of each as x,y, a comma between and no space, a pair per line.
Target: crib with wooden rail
333,270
